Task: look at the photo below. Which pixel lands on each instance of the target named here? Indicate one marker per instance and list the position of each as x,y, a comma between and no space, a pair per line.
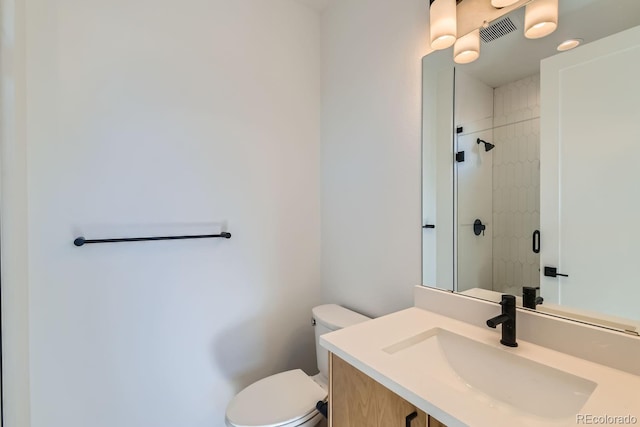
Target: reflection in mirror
497,202
496,192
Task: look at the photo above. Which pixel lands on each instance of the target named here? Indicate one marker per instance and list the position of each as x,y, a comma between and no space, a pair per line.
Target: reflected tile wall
516,184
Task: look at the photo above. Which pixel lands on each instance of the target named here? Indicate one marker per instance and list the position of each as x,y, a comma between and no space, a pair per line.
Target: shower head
487,145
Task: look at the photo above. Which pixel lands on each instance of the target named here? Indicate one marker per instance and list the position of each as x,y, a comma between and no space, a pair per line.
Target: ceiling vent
497,29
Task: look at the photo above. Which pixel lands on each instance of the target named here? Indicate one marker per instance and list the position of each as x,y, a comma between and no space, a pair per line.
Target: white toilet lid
275,401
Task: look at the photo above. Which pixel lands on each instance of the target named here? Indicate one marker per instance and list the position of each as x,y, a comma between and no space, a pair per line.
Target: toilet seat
286,399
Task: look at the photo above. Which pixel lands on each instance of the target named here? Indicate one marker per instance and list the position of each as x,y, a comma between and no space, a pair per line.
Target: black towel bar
81,240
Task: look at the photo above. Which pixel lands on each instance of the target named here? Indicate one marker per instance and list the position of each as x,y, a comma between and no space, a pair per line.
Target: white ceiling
512,57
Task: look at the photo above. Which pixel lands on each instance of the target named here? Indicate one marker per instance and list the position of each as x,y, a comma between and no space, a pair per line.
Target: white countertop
617,392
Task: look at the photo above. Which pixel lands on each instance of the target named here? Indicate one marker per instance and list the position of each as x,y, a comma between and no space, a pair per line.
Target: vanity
359,400
420,367
526,184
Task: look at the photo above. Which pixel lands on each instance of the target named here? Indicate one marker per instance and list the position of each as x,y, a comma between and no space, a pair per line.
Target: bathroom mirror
491,199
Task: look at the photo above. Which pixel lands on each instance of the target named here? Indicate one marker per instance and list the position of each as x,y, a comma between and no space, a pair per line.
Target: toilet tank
327,318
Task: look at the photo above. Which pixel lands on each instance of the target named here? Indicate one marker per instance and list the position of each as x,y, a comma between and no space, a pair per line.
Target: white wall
13,220
371,220
165,117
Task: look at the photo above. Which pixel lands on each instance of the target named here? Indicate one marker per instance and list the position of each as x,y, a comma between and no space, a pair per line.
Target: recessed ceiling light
569,44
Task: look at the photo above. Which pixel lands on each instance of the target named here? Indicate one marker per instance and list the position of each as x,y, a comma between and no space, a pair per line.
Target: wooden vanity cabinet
356,400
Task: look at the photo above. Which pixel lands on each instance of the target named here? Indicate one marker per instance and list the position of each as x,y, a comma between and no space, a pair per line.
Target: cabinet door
356,400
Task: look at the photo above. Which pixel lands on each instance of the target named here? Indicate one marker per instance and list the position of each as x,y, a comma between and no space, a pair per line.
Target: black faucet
508,321
530,298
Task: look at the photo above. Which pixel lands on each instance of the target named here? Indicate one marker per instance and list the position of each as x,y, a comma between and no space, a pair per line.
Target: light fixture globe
502,3
467,48
442,24
540,18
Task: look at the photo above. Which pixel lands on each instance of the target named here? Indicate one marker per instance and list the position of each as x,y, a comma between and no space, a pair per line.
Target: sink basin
492,375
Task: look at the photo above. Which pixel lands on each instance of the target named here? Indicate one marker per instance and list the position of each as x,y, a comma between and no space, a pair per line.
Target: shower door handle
535,242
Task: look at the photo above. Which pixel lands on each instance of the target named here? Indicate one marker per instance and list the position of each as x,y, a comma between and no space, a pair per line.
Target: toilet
288,399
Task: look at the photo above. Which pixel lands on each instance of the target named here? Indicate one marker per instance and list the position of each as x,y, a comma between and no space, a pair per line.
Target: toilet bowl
288,399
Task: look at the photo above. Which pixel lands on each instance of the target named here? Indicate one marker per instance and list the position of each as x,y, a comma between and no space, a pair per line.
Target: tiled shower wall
516,184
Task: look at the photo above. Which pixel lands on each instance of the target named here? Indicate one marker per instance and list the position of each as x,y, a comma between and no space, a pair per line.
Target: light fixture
540,18
569,44
442,23
467,48
502,3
